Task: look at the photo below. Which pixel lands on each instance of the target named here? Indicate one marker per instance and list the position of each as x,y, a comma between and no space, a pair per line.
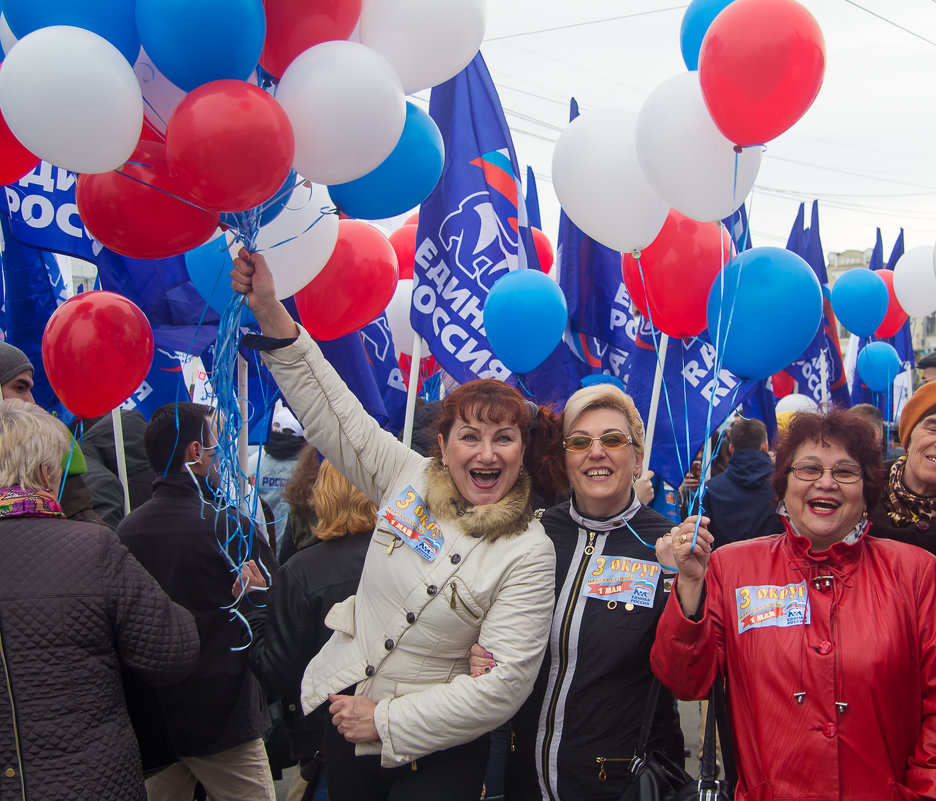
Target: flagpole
655,400
117,422
411,391
824,379
242,434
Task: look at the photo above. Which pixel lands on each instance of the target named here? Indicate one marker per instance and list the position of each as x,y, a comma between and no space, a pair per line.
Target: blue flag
43,213
391,383
472,228
532,201
29,301
823,358
164,383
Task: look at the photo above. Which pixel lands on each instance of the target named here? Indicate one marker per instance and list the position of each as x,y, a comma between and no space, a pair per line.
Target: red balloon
138,210
355,285
413,219
544,249
97,349
783,384
895,316
404,245
15,159
293,26
231,143
760,66
679,267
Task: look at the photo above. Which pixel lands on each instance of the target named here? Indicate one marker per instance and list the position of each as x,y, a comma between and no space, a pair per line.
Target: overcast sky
865,149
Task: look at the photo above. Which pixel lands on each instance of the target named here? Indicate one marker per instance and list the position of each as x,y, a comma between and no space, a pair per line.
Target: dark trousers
455,774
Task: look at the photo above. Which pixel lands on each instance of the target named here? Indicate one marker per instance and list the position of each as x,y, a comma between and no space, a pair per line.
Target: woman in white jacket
457,556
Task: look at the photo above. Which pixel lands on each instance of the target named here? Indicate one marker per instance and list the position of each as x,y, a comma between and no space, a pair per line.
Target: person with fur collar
457,556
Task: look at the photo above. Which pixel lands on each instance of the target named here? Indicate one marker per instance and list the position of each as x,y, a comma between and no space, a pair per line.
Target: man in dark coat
75,608
189,541
740,501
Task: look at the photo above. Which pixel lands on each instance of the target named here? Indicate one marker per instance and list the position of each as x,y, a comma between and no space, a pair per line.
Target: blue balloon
763,311
403,180
111,19
860,300
209,268
525,316
878,365
195,42
695,23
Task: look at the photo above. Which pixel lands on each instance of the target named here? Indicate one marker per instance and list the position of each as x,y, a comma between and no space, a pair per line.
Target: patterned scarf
19,502
904,506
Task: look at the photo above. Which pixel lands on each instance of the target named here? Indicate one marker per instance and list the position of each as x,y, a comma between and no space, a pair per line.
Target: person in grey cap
16,374
928,365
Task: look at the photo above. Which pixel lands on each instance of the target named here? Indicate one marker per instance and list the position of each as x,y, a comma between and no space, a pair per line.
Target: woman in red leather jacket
827,636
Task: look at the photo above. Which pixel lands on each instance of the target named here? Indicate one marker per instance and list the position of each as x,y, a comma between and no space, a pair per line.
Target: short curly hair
844,427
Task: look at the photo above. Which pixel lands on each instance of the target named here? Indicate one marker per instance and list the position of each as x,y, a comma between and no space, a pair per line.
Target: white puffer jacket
404,639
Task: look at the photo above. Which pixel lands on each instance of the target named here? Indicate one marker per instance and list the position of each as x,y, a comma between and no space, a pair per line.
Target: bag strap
646,725
717,718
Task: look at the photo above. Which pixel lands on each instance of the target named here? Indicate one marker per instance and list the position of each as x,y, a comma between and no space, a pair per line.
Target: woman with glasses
576,734
827,636
907,511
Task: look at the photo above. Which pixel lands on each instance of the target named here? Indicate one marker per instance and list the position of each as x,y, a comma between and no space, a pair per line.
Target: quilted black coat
75,608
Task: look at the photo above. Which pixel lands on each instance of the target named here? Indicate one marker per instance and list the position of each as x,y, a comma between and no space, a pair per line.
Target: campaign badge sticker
765,605
618,578
410,518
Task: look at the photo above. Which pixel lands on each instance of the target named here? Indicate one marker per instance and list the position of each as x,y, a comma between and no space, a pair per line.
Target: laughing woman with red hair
827,636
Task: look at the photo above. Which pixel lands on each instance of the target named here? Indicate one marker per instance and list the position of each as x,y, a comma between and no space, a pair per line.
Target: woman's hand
676,550
643,487
353,716
251,276
250,577
481,661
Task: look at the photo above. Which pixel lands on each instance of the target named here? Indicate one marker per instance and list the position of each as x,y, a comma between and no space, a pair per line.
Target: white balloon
426,41
7,39
72,99
915,281
160,95
398,316
600,184
299,241
347,109
686,158
796,403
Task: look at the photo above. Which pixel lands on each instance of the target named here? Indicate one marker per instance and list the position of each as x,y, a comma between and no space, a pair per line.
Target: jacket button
9,773
825,647
456,558
292,707
922,525
388,645
410,618
370,670
830,730
432,589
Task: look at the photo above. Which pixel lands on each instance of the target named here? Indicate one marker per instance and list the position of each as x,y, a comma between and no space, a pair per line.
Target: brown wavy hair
298,490
340,506
844,427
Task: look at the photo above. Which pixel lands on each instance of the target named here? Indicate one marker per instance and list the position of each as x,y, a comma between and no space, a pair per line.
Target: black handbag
652,775
708,787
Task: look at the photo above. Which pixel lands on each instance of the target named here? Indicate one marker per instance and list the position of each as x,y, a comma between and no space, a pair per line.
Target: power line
891,22
583,24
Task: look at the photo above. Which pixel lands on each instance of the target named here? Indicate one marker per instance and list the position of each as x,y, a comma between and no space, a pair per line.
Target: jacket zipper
563,652
16,736
461,602
602,761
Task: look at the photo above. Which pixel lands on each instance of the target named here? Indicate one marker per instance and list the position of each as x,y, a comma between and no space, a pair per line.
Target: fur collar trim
508,517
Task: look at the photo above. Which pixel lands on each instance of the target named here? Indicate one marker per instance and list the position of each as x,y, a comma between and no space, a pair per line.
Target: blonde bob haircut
604,396
341,507
30,439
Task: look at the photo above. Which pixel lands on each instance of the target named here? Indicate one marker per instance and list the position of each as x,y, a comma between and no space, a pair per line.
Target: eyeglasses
813,472
609,441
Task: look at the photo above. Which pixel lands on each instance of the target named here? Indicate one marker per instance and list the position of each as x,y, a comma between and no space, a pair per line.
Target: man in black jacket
192,544
740,502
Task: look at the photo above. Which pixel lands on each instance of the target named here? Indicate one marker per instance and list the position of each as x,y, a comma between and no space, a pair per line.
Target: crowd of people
496,613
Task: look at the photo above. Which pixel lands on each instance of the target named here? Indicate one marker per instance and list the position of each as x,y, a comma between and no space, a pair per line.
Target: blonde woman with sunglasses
575,735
